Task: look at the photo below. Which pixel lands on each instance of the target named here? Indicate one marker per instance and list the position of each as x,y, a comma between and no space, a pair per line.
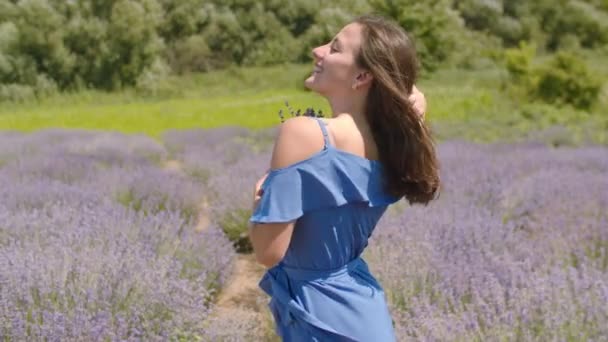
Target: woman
332,179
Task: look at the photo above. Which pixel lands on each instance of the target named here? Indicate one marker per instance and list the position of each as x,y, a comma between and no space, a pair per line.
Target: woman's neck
353,105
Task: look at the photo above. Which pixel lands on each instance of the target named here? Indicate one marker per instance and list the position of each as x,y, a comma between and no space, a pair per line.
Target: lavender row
204,153
97,271
97,241
228,161
109,148
516,248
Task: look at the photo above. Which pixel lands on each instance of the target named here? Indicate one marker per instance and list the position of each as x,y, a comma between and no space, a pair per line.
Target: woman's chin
310,83
314,84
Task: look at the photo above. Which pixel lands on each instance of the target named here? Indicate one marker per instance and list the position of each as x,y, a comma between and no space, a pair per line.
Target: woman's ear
363,79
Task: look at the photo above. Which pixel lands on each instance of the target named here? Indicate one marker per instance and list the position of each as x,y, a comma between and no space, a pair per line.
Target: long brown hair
405,145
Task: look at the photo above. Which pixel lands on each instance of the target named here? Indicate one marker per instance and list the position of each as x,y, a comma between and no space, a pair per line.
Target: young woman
332,179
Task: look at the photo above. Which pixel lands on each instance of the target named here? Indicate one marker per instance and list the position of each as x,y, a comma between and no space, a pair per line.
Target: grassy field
462,104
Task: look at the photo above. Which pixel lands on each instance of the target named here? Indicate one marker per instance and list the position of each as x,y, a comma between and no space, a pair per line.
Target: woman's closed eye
332,49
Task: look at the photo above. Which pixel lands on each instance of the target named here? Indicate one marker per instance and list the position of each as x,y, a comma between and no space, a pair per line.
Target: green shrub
437,29
155,81
16,93
190,54
235,224
45,86
579,18
519,61
564,79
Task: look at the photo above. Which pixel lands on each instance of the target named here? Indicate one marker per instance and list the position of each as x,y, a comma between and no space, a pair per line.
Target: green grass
247,97
462,104
153,117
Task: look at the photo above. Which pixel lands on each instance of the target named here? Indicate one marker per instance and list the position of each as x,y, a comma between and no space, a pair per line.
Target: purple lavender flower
298,112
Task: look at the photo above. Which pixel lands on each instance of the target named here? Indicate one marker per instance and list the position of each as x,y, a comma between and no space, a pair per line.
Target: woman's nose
318,52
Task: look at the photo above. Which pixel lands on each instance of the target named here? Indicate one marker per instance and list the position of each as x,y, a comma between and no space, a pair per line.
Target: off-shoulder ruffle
330,178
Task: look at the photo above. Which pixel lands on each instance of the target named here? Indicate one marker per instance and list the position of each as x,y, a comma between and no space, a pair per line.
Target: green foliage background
47,45
491,68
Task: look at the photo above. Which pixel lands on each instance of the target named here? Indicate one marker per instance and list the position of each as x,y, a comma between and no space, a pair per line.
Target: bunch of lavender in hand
308,112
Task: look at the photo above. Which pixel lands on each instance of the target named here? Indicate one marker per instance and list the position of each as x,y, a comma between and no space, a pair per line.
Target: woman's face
335,70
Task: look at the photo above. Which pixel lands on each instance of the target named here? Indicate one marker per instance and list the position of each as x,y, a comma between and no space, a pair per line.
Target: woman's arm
269,240
298,139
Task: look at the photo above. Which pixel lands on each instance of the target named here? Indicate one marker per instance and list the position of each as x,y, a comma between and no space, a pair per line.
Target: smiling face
335,70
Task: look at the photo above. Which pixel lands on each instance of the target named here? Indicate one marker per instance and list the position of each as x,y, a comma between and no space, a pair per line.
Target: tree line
50,45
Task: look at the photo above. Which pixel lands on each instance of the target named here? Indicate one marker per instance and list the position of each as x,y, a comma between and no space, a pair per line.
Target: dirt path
242,304
173,165
240,312
203,220
243,290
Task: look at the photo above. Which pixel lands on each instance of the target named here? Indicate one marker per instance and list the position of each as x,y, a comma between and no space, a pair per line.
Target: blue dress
322,290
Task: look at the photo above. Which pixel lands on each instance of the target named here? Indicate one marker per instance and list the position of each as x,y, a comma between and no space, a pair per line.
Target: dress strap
323,125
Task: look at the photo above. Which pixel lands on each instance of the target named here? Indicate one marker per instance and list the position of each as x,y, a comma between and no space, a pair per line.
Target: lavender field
97,241
515,249
100,239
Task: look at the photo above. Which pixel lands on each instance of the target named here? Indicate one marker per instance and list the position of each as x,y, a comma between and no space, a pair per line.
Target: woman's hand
419,102
257,190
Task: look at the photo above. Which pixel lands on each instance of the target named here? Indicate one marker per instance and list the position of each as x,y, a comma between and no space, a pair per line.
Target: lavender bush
151,189
516,248
205,153
110,148
98,243
228,161
232,195
102,271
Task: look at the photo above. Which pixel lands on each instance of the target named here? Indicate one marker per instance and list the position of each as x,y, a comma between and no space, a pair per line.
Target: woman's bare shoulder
298,139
